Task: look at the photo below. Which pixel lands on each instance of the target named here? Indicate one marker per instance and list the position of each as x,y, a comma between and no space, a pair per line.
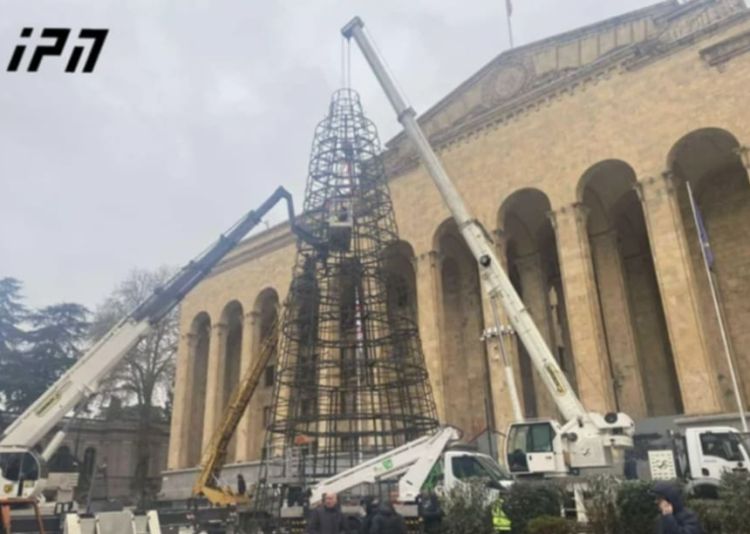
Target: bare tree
144,379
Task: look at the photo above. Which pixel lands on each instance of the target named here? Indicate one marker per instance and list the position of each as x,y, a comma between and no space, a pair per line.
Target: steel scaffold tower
351,381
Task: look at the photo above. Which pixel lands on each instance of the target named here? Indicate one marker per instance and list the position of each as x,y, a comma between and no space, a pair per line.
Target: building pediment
517,77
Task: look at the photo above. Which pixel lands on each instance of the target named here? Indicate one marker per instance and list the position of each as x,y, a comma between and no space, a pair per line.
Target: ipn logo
92,37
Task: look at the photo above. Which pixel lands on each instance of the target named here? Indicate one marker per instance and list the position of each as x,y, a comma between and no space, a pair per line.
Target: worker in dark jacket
241,485
675,518
387,521
327,519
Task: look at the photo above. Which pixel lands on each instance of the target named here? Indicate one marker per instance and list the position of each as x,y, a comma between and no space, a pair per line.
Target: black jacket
683,520
324,520
387,521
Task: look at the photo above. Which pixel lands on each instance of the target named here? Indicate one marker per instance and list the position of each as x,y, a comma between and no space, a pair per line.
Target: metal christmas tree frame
351,380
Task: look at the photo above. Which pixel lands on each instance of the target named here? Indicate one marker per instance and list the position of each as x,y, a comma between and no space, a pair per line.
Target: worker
241,485
500,521
430,511
387,521
371,509
675,518
327,519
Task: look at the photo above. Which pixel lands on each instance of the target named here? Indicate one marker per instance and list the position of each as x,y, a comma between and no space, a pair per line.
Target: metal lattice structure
351,380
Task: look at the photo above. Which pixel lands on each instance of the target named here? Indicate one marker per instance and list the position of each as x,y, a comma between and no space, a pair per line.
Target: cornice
400,158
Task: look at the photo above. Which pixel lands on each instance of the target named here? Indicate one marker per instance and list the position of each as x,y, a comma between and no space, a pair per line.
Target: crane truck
23,469
585,441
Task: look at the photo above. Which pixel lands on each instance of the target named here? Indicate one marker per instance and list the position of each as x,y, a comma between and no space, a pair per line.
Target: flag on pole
703,235
508,13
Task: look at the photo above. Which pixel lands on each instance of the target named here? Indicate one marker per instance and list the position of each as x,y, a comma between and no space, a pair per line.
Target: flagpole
508,12
717,308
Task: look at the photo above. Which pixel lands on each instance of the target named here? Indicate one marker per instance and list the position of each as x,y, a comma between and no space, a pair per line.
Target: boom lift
413,464
208,482
23,471
585,440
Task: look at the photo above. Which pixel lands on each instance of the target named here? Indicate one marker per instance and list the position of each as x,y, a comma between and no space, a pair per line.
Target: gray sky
197,110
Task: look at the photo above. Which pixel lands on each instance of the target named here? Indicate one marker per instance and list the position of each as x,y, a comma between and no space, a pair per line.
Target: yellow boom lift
208,484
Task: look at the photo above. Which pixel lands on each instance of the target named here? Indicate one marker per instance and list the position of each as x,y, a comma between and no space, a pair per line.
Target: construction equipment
697,455
435,462
208,484
23,471
586,440
414,464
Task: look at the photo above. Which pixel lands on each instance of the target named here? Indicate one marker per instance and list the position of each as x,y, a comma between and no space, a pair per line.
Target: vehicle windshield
477,466
725,445
18,465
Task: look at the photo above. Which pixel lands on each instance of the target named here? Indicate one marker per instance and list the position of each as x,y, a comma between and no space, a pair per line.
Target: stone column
430,306
534,295
248,357
179,434
744,153
214,381
583,310
698,381
621,341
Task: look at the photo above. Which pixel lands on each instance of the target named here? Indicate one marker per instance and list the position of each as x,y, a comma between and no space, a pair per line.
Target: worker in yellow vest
500,521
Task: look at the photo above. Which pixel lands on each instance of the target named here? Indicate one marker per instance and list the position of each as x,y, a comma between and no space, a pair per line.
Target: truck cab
22,473
460,465
709,452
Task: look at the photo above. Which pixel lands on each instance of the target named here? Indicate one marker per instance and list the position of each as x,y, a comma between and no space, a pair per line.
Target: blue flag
703,236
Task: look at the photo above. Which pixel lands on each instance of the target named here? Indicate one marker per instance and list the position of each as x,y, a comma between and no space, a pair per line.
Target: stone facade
574,153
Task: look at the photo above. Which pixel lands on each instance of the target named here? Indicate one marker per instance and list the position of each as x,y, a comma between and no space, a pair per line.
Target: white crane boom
83,378
587,440
495,279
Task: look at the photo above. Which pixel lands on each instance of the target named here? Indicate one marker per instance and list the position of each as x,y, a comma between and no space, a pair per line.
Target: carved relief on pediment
504,83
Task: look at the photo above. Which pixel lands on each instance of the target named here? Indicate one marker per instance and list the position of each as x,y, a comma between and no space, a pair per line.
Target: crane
23,471
585,440
207,483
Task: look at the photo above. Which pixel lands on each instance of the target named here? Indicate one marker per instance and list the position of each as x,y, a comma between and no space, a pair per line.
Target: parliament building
575,153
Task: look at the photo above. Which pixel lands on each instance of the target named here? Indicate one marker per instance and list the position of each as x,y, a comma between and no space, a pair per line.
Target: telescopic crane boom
588,438
22,470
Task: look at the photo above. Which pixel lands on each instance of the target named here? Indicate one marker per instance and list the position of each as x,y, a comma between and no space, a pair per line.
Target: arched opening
232,316
266,310
467,405
88,471
708,159
401,281
200,332
635,328
534,269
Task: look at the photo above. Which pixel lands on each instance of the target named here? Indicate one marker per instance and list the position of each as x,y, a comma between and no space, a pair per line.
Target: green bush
710,513
467,508
601,510
636,509
734,494
529,500
550,525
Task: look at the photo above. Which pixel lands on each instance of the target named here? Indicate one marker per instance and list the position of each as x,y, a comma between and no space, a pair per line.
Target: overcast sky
197,110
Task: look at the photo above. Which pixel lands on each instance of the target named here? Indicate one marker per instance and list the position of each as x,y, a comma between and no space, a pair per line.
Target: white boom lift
413,463
586,440
23,470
